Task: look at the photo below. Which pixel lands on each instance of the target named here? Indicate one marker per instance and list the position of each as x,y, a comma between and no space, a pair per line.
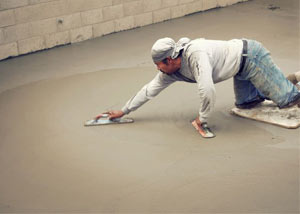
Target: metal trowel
103,119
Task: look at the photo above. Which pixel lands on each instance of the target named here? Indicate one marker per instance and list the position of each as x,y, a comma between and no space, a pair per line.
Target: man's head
166,54
169,65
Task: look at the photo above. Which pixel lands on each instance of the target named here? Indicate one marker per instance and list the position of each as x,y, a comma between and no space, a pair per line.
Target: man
206,62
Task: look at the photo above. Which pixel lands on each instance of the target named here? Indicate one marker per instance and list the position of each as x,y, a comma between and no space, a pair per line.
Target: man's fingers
107,112
98,116
102,115
110,114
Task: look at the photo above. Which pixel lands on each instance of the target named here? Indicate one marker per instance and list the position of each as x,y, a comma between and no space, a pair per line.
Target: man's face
168,66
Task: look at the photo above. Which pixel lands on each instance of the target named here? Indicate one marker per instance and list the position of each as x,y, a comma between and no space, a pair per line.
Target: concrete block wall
31,25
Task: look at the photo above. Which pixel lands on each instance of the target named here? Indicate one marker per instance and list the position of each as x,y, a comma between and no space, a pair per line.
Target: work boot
295,101
295,79
251,104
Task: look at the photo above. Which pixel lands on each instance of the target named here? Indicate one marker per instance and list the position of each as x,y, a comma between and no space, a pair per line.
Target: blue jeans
261,78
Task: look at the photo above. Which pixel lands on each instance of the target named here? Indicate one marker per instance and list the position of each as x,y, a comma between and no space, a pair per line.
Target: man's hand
197,125
115,114
202,128
111,114
197,120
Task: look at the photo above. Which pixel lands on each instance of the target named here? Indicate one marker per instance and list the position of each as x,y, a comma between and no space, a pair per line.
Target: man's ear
169,59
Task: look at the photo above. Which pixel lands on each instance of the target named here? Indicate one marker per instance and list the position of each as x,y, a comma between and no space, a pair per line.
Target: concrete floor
50,163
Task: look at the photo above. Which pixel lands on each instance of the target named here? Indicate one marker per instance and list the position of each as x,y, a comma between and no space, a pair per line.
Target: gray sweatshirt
204,62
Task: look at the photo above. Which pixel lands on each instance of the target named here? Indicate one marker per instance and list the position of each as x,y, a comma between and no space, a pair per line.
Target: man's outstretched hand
114,114
202,128
111,114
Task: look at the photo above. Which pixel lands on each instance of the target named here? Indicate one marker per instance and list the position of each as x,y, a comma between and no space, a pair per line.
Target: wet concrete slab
51,163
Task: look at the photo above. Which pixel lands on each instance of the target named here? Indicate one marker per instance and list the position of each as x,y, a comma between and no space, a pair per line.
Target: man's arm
149,91
202,70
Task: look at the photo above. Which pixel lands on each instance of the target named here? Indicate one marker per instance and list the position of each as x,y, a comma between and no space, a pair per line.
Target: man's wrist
125,110
198,121
202,119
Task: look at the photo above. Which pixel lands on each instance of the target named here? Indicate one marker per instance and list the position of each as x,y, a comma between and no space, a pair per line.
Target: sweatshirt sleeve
149,91
202,71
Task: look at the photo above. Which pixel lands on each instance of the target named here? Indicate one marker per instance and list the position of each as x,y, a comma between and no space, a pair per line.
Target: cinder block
56,39
230,2
178,11
31,45
8,50
236,1
81,34
8,4
42,27
91,17
113,12
103,28
39,1
143,19
39,11
1,36
84,5
185,1
169,3
7,18
222,3
115,2
68,22
161,15
17,32
133,8
151,5
194,7
209,4
124,23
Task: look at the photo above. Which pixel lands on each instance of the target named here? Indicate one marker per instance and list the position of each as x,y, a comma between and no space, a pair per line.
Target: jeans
261,78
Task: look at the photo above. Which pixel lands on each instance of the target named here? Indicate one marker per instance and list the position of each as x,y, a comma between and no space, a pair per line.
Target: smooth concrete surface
51,163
